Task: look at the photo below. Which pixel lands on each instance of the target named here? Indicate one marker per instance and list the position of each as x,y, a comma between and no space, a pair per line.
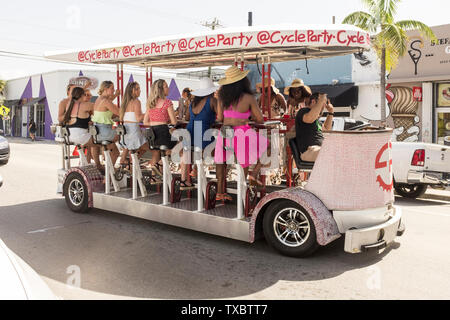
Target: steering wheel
361,126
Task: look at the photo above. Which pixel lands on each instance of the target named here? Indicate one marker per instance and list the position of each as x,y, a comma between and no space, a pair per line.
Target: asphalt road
123,257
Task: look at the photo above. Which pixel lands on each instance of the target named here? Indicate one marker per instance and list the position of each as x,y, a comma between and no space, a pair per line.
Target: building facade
37,97
419,89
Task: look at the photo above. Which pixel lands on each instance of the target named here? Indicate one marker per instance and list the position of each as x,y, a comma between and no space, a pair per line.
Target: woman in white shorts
76,119
131,116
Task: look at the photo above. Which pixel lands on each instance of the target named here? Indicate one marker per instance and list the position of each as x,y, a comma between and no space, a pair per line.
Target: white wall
369,103
56,82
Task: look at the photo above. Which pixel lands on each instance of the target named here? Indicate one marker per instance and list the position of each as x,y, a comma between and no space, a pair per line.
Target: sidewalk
20,140
432,194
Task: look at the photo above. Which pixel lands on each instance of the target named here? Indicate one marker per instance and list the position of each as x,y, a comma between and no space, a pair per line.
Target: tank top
207,117
160,114
130,117
103,117
82,123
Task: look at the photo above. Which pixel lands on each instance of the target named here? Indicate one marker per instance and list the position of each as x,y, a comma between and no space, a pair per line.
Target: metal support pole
269,79
240,191
107,173
167,181
121,82
263,95
151,76
134,177
118,84
147,80
201,195
83,159
63,146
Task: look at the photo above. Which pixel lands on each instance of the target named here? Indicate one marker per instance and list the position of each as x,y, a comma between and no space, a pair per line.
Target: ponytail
77,93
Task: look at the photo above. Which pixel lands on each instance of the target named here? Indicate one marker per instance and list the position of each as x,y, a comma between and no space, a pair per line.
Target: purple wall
48,117
27,94
174,93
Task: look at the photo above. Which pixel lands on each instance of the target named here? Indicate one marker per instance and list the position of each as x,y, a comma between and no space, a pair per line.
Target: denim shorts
105,132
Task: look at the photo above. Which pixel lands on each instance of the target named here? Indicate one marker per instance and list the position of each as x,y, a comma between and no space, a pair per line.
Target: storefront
419,89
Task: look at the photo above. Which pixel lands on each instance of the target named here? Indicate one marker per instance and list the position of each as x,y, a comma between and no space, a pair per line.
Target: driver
308,129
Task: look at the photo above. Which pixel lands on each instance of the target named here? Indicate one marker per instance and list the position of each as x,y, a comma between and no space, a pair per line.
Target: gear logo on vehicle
384,177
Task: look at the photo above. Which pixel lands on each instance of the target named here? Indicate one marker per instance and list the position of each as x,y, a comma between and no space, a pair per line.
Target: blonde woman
159,114
131,115
104,111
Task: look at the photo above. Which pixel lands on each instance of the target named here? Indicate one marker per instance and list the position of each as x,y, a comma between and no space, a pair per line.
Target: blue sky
34,27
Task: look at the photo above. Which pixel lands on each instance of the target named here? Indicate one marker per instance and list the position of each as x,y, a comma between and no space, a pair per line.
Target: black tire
211,193
3,163
411,191
77,202
272,231
175,195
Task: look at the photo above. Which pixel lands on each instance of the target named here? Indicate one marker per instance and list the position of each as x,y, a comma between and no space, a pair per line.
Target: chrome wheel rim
291,227
76,192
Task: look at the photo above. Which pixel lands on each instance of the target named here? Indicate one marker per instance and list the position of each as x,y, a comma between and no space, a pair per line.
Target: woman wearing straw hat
201,116
277,101
298,94
236,106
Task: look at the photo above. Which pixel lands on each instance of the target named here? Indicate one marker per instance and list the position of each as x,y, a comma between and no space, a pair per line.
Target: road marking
54,228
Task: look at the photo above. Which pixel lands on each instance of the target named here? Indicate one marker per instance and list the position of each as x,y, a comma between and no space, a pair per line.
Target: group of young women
234,106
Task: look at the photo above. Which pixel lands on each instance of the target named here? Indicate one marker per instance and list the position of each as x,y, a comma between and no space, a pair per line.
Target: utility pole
213,25
250,19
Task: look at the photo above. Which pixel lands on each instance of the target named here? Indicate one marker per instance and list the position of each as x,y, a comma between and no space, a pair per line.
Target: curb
435,197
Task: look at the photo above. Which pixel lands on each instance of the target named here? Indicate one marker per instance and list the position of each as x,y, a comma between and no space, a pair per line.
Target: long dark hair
77,93
230,94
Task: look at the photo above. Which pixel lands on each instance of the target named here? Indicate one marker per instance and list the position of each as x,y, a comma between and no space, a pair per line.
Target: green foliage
387,34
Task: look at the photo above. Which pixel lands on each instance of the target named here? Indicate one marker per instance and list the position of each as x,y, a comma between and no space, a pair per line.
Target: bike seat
300,163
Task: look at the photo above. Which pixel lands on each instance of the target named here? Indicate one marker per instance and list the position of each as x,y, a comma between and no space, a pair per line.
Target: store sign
425,58
82,81
444,95
417,94
4,112
270,38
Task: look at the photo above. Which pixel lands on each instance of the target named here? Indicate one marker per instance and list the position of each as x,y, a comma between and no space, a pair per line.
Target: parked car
416,165
4,149
19,281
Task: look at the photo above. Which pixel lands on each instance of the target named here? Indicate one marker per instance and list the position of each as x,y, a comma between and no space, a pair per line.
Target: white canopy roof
220,47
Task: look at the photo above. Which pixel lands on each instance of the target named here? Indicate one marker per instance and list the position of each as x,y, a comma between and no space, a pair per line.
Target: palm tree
389,38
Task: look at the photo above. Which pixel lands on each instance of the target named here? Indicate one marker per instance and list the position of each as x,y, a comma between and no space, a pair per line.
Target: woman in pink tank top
237,106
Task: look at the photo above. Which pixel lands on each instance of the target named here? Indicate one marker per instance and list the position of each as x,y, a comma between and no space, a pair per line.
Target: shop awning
341,95
33,101
10,103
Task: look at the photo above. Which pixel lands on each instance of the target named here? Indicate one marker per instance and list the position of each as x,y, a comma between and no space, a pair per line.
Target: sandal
223,197
184,185
155,169
254,181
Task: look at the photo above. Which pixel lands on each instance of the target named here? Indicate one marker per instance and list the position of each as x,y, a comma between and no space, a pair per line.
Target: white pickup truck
416,165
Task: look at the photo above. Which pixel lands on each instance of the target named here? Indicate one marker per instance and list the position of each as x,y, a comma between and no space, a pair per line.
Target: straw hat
207,87
232,75
272,84
297,83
